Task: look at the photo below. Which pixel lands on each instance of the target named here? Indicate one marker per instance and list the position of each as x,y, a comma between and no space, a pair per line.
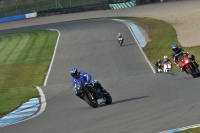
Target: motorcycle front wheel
92,103
191,71
108,99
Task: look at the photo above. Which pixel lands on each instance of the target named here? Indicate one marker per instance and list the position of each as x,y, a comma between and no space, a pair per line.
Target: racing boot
181,69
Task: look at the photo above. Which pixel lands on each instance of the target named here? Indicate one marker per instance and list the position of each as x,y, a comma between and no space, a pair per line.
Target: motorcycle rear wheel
191,71
91,103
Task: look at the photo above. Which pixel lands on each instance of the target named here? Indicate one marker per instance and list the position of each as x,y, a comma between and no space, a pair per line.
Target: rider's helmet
174,47
165,58
74,72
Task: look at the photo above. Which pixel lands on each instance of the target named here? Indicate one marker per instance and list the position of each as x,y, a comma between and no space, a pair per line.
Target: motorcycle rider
86,78
120,36
158,64
178,52
166,60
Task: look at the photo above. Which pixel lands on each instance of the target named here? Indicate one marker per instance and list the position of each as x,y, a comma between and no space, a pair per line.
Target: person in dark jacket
178,52
158,65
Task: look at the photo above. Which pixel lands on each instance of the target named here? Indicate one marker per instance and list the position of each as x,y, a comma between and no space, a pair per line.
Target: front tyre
108,99
90,102
191,71
120,43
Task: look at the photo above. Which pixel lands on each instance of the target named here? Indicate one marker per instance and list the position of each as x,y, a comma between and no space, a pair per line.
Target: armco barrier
73,9
18,17
12,18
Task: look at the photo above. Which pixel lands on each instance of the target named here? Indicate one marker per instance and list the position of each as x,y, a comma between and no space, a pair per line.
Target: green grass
24,60
194,130
43,5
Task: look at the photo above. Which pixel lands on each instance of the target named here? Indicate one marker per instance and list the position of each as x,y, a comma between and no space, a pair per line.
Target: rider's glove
86,84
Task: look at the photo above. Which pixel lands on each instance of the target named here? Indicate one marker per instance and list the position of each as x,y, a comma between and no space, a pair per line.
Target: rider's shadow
129,99
128,44
170,73
125,100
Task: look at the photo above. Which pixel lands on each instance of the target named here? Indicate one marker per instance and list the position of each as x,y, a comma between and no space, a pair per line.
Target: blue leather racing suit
85,78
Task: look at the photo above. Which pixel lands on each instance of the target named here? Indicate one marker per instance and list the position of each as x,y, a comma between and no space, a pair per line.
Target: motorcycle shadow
170,73
127,44
126,100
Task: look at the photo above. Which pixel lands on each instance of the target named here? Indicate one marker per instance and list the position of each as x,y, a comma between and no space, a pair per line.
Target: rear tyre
191,71
90,102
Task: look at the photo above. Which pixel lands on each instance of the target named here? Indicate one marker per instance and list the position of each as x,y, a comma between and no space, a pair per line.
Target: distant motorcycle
83,92
188,66
159,68
167,67
120,41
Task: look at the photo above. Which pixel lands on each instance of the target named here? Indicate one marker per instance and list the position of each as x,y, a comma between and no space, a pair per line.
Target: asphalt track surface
143,102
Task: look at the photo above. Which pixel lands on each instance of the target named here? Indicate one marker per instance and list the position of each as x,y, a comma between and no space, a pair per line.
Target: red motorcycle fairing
185,63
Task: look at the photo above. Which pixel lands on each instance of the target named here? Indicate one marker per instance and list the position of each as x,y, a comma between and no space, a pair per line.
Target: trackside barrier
73,9
18,17
31,15
13,18
123,5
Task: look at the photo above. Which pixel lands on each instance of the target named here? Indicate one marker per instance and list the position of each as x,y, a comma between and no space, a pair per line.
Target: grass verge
194,130
24,60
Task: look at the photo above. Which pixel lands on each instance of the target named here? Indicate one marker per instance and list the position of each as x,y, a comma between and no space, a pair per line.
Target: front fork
90,95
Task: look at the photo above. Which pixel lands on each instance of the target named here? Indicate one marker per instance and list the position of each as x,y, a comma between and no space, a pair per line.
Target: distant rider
166,64
158,64
166,60
178,53
85,78
120,36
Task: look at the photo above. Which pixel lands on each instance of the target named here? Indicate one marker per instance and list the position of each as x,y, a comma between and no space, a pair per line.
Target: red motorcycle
188,66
